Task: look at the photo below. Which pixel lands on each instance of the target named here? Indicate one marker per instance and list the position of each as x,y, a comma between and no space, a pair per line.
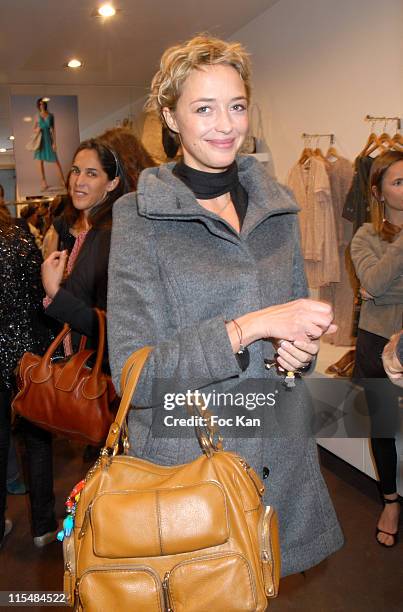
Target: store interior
326,73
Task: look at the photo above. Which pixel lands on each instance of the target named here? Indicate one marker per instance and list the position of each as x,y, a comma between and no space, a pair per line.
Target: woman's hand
391,363
304,320
297,355
52,272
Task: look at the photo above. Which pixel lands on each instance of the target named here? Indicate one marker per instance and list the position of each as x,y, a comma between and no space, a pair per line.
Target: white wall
321,66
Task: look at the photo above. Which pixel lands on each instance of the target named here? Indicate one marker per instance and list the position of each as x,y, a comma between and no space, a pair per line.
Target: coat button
266,472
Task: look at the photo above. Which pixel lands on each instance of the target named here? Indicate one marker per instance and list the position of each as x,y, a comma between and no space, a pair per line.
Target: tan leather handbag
184,538
66,396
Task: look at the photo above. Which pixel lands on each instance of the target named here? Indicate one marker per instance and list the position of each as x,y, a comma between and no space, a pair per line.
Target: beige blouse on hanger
319,240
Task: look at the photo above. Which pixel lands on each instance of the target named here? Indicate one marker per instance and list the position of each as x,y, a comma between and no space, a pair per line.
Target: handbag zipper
253,476
165,588
267,551
85,521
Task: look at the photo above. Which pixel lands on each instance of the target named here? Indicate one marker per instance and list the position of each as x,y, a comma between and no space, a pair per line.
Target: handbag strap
209,439
43,371
130,376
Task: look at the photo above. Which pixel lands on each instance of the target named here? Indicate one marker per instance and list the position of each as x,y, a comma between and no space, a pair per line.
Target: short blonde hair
177,63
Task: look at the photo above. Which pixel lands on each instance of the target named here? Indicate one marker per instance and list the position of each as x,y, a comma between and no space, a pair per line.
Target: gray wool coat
177,272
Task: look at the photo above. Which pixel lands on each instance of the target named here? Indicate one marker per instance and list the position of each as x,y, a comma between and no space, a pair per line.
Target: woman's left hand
296,355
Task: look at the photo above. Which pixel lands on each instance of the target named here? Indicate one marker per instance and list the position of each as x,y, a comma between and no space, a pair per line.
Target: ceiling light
11,137
106,10
74,63
45,99
27,119
3,150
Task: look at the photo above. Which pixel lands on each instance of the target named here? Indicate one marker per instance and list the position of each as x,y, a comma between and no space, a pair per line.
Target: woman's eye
203,110
74,170
239,107
398,182
91,173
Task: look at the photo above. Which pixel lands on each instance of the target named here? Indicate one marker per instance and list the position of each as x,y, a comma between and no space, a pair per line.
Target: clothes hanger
332,153
318,151
307,152
369,146
397,141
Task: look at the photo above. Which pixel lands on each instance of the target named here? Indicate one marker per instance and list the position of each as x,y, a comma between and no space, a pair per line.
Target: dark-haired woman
77,283
377,253
47,149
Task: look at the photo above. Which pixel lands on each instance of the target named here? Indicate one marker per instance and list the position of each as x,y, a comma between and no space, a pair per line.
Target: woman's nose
224,123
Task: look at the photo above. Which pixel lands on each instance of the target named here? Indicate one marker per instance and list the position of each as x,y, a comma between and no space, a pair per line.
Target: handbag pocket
270,551
120,587
162,521
222,581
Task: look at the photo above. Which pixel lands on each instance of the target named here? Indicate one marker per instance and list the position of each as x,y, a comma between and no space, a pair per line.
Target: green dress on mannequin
45,151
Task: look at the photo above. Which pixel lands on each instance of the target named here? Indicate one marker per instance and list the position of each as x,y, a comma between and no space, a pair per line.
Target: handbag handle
44,371
129,379
130,376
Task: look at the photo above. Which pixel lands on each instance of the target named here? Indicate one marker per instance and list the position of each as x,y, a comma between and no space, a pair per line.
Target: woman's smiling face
211,117
89,183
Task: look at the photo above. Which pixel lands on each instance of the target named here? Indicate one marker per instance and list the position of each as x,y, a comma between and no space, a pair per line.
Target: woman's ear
113,184
170,120
376,194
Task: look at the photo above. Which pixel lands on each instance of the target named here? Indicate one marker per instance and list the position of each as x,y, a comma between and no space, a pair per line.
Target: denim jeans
38,443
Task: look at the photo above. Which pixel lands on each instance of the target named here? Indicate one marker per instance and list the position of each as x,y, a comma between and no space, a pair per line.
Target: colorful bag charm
71,505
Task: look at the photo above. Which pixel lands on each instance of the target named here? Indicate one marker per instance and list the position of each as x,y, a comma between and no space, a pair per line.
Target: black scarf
209,185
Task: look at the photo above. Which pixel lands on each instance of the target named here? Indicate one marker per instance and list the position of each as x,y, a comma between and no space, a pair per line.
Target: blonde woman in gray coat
205,265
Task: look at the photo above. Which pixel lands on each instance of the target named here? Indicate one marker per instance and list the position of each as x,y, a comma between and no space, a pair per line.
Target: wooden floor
362,577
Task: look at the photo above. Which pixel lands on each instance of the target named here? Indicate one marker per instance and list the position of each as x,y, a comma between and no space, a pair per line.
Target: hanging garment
356,208
310,184
341,295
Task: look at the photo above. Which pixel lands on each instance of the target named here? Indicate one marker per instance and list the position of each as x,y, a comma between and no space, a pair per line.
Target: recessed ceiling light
45,99
106,10
74,63
3,150
27,119
11,137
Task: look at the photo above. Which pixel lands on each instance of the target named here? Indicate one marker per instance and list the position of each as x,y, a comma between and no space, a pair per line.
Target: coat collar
160,195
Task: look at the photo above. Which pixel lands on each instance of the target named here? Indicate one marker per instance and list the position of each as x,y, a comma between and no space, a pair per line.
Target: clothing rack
372,119
331,136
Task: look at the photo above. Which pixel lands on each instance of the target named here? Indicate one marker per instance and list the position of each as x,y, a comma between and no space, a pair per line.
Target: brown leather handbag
184,538
66,396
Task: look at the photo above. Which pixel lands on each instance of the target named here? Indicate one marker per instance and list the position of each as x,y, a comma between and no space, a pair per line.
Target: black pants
40,470
368,364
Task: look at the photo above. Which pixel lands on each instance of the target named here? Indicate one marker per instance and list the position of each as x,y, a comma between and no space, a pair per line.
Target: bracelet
242,355
238,328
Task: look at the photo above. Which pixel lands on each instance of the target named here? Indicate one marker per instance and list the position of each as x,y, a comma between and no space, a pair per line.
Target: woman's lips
222,144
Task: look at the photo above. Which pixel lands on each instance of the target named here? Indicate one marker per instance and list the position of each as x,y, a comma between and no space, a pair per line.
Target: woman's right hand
303,320
52,272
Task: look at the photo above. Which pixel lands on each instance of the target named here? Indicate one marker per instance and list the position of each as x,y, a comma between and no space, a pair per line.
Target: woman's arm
50,242
201,351
73,301
376,274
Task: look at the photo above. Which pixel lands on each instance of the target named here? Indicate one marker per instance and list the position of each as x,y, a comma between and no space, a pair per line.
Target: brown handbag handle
94,387
43,371
130,376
